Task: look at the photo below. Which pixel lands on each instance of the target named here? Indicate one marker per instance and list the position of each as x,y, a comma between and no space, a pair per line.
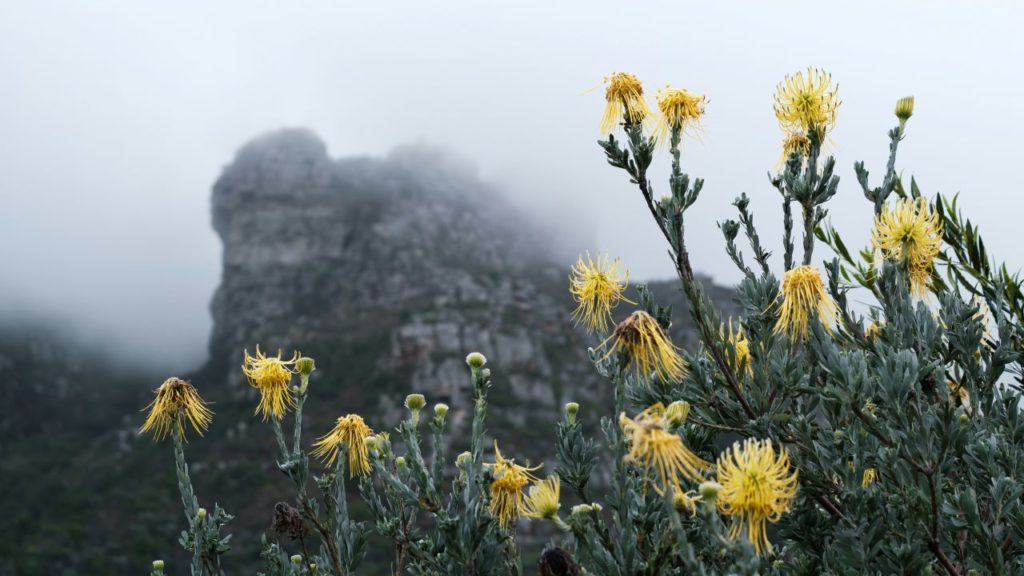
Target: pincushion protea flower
757,487
270,375
624,102
542,499
507,488
648,347
803,294
653,447
598,287
351,431
176,403
680,110
908,229
807,103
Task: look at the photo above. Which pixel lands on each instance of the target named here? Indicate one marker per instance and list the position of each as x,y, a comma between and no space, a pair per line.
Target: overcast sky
116,118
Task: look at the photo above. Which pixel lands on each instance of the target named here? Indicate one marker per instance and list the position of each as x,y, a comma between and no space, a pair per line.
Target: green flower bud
905,108
440,410
838,435
415,402
463,460
486,373
476,360
201,514
400,462
305,365
709,490
596,507
963,418
158,565
581,509
677,412
372,443
296,559
571,409
312,568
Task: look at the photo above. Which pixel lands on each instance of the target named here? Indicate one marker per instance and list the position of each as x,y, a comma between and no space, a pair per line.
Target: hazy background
116,117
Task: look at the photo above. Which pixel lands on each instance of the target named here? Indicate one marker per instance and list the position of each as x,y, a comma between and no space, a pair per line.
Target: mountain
387,271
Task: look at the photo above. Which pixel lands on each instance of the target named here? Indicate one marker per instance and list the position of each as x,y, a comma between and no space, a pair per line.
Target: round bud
476,360
571,409
305,365
462,460
580,509
372,443
415,402
296,559
400,462
677,412
201,513
596,507
486,373
440,410
905,108
158,565
709,490
312,568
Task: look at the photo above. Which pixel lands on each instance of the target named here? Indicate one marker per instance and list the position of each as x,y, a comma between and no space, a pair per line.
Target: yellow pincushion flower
908,229
757,487
803,293
351,432
648,347
653,447
624,102
542,499
270,375
735,338
597,286
507,488
176,403
680,110
807,102
868,478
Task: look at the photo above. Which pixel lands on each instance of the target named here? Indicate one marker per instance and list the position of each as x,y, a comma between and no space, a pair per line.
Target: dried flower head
542,499
176,403
270,375
757,487
909,230
648,347
680,110
807,102
597,286
653,447
624,102
351,432
507,488
803,294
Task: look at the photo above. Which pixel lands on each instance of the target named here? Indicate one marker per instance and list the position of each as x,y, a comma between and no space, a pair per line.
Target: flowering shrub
805,437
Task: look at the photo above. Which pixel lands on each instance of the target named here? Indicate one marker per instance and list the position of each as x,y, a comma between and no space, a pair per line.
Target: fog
116,118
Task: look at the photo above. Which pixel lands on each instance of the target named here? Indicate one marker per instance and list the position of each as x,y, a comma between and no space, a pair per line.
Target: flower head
868,477
270,375
908,230
507,488
624,102
680,110
685,502
597,286
351,432
648,347
803,294
757,487
176,403
794,142
653,447
542,499
807,103
735,338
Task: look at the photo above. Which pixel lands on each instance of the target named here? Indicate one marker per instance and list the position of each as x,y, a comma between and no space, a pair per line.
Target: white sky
116,118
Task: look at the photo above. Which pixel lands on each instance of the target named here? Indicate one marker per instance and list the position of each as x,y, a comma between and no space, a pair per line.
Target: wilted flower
507,488
542,499
351,431
803,294
648,347
908,230
794,142
680,110
176,402
270,375
653,447
597,286
757,487
624,102
806,103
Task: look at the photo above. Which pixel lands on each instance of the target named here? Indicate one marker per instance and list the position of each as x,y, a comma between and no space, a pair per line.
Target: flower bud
905,108
372,443
158,565
415,402
476,360
581,509
296,559
677,412
400,462
440,410
709,490
571,409
838,435
201,514
312,568
963,418
596,507
486,373
305,365
462,460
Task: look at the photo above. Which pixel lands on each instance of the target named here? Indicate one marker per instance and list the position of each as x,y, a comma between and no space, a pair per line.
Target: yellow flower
685,502
597,286
904,110
959,395
680,110
757,487
908,230
176,402
648,347
735,338
868,478
270,375
794,142
872,330
542,499
805,103
507,488
652,446
351,431
803,293
624,102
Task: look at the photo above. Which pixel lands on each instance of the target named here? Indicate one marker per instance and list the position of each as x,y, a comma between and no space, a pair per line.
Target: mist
116,117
